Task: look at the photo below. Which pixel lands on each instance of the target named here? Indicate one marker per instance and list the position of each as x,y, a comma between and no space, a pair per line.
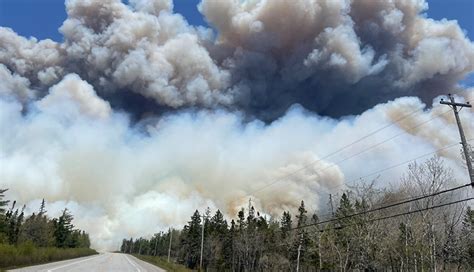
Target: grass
27,254
163,263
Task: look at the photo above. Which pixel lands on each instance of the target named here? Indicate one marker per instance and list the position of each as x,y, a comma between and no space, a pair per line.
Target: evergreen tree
63,229
14,221
301,239
42,210
344,234
38,229
3,220
3,203
217,239
286,224
191,242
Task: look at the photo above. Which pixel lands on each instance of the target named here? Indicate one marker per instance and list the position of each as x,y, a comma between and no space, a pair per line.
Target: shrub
27,254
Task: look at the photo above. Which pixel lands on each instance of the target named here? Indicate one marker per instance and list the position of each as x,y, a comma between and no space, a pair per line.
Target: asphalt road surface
102,262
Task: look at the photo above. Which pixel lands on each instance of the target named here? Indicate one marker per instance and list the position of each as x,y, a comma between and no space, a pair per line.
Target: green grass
163,263
27,254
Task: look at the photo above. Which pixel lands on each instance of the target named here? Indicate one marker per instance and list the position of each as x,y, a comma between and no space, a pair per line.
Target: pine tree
63,229
14,222
301,239
42,209
191,242
286,224
37,229
217,241
3,220
345,206
345,234
3,203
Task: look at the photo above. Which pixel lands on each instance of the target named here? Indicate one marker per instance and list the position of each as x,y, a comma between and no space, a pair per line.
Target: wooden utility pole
320,233
169,248
156,244
140,246
299,250
330,203
202,241
454,105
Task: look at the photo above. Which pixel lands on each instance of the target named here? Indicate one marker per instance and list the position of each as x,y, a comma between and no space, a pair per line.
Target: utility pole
320,233
330,203
169,248
156,244
299,250
454,105
140,246
202,241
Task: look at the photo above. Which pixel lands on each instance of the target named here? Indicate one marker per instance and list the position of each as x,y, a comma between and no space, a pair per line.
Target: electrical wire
387,206
395,165
346,146
389,216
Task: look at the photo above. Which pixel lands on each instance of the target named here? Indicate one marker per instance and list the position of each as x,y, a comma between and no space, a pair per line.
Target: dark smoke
335,58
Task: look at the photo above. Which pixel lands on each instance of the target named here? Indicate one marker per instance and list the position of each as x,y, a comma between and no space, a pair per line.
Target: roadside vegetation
163,263
36,239
440,239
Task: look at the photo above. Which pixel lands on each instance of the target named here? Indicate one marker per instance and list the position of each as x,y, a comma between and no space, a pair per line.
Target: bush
27,254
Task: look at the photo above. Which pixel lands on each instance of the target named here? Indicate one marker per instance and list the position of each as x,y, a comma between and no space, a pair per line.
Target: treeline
432,239
37,238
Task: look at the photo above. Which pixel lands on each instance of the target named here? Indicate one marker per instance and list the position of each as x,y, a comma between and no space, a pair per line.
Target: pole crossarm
467,105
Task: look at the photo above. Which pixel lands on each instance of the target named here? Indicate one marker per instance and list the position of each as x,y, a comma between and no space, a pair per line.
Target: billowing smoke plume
333,57
137,118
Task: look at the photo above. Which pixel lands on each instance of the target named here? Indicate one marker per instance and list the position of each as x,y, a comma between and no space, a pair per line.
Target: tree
63,229
426,179
42,210
219,248
191,241
38,229
3,203
343,235
286,224
3,221
14,220
467,239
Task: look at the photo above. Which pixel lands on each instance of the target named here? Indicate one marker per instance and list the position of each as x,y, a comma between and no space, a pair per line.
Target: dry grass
161,262
27,254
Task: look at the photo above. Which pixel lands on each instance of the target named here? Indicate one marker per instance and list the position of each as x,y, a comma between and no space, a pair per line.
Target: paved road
102,262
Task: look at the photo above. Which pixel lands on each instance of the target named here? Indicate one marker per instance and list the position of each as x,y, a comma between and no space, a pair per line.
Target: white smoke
69,133
138,182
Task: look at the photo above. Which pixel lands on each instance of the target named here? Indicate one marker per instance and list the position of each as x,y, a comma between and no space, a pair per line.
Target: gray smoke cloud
336,57
136,118
333,57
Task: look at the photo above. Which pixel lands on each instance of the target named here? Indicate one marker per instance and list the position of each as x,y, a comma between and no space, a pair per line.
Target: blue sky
42,18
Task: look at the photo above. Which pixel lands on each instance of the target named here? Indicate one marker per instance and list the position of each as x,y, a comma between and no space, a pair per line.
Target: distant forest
432,232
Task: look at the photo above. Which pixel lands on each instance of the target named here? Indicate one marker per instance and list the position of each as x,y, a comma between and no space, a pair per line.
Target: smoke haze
137,118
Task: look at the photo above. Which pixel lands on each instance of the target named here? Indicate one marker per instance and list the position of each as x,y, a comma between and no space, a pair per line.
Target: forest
364,228
37,238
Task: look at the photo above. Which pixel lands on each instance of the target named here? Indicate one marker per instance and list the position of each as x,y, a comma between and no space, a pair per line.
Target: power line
346,146
382,142
391,216
395,165
386,206
327,189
